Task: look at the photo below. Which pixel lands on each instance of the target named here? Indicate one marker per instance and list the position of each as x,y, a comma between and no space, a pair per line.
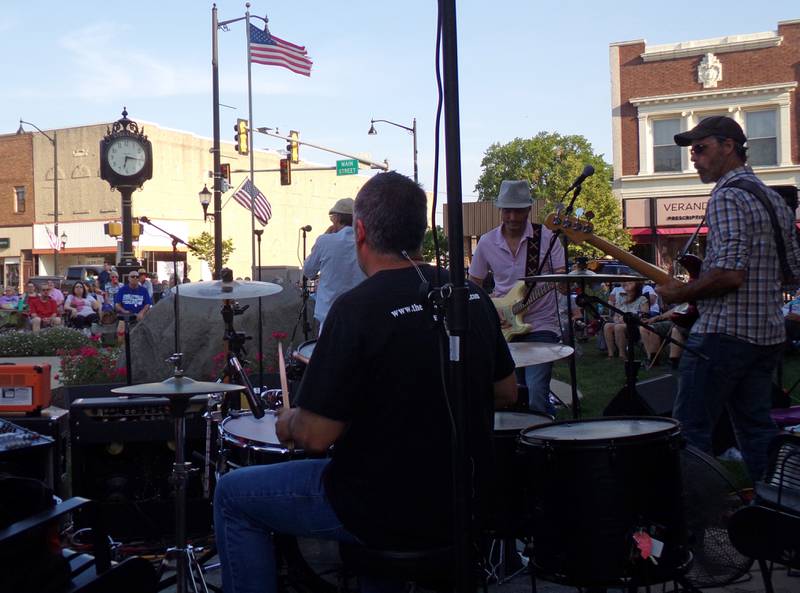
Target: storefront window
762,142
666,154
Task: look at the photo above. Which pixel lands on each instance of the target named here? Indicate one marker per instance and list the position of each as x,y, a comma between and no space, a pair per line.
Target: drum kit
615,481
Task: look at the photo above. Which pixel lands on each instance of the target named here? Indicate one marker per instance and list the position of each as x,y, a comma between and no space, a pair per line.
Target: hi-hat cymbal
585,276
237,290
176,386
527,354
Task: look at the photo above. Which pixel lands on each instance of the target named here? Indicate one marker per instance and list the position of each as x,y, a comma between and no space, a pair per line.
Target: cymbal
527,354
586,276
177,386
237,290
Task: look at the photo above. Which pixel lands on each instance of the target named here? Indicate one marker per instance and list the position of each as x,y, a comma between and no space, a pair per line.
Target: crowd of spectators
96,306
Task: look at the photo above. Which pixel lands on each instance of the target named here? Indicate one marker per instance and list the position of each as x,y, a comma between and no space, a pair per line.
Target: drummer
504,252
373,387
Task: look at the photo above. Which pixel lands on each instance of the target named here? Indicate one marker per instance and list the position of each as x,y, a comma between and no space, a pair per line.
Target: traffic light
294,146
225,171
241,137
286,171
113,229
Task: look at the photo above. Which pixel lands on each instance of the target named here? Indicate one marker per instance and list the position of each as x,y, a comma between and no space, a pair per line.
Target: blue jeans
537,377
252,503
738,375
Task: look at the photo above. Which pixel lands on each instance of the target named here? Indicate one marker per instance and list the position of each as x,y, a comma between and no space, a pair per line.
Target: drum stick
284,380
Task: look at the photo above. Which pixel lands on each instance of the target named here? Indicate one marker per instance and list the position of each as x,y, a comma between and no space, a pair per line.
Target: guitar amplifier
122,455
24,387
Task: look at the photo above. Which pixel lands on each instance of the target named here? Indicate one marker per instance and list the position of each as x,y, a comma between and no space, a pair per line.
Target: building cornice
684,49
715,94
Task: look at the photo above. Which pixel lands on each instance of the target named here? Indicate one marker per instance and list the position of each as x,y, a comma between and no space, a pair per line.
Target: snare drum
304,351
592,484
246,440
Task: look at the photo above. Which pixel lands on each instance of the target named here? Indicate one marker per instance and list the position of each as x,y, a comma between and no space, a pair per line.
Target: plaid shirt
740,237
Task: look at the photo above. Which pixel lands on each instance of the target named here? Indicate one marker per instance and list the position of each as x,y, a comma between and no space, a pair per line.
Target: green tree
550,162
204,242
428,250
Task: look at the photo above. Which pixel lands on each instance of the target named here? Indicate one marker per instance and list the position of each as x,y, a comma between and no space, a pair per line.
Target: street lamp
412,129
54,141
205,200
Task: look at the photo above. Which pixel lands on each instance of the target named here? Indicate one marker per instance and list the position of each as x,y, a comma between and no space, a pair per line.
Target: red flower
55,377
279,335
94,338
87,351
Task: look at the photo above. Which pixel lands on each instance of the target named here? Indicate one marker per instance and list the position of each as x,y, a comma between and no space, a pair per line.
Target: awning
666,231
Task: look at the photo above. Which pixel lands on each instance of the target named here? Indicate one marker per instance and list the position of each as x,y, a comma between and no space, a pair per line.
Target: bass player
511,251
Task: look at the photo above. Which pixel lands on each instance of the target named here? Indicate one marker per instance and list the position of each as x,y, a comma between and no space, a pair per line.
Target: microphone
144,219
588,171
306,228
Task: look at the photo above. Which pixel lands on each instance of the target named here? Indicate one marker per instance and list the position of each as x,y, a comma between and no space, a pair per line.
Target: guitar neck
646,269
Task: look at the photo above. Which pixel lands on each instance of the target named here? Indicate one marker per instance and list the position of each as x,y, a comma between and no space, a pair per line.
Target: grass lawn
600,379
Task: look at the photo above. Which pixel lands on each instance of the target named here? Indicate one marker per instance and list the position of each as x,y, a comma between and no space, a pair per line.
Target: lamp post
412,129
63,240
54,141
205,199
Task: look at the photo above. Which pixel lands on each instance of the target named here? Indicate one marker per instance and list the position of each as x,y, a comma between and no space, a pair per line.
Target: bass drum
594,484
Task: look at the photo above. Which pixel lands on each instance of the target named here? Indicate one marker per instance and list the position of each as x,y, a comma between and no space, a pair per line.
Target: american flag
269,50
248,193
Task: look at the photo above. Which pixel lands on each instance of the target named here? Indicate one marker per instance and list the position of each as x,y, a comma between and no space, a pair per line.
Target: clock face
126,156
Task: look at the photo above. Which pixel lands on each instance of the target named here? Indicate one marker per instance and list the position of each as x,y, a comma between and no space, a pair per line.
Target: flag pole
217,176
250,147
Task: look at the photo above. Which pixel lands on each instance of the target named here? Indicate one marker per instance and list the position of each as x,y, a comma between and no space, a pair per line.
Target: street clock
126,155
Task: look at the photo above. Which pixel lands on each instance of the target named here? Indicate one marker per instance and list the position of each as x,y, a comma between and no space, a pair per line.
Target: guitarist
739,296
511,251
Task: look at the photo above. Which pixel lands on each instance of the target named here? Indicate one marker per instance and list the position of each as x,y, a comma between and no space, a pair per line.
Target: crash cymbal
176,386
237,290
527,354
585,276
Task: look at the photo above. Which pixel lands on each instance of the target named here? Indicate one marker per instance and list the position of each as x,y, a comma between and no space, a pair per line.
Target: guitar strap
532,258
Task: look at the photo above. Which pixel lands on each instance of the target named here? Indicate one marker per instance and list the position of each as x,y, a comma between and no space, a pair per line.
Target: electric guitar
513,305
581,231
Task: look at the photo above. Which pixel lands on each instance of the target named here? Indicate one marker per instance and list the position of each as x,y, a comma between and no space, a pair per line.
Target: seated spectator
81,307
663,327
652,298
30,291
629,300
56,295
791,319
145,282
9,300
131,299
111,288
43,310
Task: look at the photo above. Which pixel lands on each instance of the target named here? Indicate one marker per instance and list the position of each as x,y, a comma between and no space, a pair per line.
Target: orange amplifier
24,387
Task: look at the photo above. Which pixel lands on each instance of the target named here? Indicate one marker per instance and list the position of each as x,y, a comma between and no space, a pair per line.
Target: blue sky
525,66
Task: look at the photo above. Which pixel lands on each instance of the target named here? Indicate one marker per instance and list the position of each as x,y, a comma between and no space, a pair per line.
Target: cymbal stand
233,366
305,293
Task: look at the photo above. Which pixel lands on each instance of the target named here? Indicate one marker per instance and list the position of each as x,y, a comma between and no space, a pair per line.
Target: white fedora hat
514,194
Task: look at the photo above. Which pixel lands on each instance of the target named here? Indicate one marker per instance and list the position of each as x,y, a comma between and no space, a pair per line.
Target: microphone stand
178,355
306,326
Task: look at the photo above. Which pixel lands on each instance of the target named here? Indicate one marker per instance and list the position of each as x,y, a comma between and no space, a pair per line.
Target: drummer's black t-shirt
377,366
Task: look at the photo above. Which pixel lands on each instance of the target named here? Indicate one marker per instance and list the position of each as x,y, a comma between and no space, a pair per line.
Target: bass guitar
513,305
582,231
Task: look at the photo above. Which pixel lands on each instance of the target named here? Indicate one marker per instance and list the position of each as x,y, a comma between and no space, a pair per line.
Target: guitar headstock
578,229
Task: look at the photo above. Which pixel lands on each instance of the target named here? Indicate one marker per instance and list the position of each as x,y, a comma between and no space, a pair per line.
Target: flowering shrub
90,364
48,342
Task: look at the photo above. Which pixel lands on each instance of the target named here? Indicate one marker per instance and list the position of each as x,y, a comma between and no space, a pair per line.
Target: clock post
126,162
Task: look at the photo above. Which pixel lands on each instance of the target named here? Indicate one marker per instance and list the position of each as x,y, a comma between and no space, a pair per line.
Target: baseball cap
343,206
718,125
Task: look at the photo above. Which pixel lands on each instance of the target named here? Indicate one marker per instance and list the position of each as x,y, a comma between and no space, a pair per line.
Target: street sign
347,167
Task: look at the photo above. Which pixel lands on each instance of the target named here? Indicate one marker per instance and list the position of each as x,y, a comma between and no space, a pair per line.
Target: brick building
658,91
180,170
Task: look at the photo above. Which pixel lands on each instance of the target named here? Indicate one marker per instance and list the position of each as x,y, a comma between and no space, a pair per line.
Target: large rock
202,330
